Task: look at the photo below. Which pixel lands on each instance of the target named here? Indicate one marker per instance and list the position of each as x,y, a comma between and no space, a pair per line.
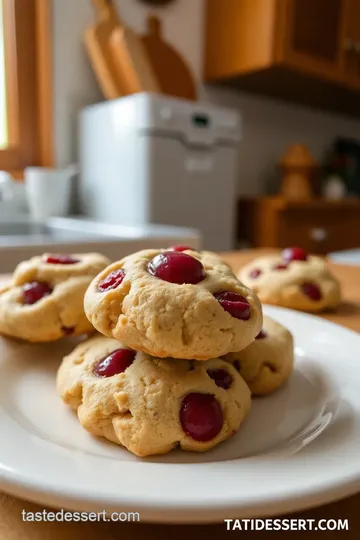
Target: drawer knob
319,235
349,45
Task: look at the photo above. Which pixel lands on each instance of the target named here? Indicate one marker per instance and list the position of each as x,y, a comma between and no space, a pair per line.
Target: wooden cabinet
303,50
312,36
351,45
319,226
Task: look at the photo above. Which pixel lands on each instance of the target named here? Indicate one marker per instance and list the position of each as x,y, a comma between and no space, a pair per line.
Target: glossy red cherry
261,335
35,291
280,266
221,377
312,291
113,280
201,416
255,273
116,362
181,248
235,304
294,254
176,267
61,259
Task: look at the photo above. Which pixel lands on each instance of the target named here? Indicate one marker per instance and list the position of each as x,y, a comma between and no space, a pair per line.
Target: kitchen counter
21,238
13,528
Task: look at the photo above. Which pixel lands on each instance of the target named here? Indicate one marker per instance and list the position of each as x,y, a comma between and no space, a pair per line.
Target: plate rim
171,511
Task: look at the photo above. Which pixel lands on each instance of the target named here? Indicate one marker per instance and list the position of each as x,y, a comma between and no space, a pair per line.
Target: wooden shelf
282,204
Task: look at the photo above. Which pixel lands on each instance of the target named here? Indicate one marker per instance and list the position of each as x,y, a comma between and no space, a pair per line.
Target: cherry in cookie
68,330
201,416
180,248
33,292
312,291
221,377
112,281
235,304
262,334
113,364
280,266
61,259
177,267
255,273
294,254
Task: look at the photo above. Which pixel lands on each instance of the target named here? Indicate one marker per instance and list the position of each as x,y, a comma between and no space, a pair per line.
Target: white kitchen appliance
148,158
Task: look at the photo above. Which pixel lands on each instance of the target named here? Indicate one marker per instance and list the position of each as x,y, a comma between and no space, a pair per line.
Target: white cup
48,191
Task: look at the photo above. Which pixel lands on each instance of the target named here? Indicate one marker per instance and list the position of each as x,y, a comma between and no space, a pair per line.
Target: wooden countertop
13,528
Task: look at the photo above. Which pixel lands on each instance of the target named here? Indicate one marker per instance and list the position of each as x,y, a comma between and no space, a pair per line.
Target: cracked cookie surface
208,317
151,405
305,285
268,362
45,299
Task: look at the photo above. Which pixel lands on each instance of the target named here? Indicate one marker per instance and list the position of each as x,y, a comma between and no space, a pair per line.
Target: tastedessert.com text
65,515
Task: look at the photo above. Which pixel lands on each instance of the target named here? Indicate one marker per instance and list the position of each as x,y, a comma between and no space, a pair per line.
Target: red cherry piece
180,248
35,291
221,377
312,291
294,254
237,365
116,362
68,330
61,259
235,304
261,335
255,273
176,267
280,266
113,280
201,417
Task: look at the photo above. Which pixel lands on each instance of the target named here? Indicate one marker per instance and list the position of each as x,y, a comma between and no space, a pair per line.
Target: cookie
293,279
174,304
152,405
45,298
269,361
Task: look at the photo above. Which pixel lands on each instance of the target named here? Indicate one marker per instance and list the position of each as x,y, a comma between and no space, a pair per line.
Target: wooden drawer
322,231
318,226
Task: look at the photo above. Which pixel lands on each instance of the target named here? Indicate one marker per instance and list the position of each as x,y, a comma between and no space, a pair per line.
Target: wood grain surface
12,527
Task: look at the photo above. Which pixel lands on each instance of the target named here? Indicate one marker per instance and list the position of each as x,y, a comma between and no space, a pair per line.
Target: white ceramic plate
298,447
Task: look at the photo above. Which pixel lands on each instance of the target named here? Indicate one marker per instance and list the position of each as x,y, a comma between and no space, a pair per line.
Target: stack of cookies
181,344
160,376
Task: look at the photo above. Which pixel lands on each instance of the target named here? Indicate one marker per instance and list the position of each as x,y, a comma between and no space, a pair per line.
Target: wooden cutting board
132,63
96,39
117,54
172,72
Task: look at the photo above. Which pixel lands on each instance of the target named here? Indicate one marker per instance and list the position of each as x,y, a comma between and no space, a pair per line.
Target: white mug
48,191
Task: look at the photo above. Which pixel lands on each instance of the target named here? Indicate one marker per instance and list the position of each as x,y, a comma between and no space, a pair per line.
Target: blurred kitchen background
224,124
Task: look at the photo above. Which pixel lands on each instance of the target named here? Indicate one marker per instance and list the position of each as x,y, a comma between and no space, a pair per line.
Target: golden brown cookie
268,362
45,298
293,279
174,304
151,405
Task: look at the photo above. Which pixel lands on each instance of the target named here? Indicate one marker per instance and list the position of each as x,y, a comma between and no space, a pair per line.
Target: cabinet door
313,36
351,44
